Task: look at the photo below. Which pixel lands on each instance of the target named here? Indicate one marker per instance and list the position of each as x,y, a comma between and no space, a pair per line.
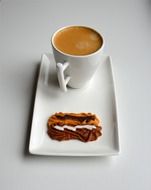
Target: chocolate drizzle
74,119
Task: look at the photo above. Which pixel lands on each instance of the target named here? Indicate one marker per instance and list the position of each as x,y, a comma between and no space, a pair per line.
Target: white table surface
26,28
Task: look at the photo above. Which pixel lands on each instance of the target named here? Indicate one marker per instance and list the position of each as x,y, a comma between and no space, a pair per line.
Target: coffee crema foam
78,40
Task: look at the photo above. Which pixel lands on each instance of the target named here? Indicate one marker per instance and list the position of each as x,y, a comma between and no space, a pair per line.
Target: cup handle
63,81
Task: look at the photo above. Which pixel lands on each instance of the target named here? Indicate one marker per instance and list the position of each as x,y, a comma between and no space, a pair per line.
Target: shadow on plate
29,122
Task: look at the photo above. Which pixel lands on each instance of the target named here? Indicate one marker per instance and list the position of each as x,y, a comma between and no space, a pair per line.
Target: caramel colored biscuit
81,126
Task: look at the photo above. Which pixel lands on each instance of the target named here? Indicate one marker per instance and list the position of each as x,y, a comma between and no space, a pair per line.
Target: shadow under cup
77,51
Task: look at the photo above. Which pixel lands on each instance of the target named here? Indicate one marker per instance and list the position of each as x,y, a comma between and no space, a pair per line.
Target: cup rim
80,56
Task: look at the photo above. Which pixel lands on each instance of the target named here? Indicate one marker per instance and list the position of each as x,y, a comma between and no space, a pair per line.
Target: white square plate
98,98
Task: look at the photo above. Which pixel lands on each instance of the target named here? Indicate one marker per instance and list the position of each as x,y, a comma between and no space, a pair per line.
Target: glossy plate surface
98,98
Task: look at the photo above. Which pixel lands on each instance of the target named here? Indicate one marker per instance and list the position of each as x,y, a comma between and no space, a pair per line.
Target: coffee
78,40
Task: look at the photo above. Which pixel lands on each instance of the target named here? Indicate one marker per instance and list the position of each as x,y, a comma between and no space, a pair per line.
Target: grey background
25,31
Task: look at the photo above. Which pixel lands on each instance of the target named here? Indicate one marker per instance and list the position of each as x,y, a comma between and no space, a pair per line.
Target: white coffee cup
76,71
